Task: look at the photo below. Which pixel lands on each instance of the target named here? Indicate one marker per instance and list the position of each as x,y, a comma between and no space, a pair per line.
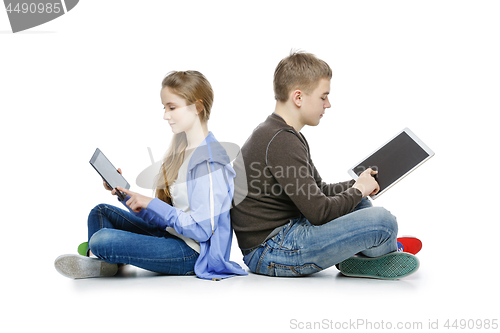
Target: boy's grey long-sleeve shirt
277,181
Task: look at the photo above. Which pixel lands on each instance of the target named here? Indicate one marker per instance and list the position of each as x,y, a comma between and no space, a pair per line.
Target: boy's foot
409,244
394,265
80,267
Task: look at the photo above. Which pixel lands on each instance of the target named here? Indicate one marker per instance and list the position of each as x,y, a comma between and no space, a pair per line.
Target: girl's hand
137,201
106,185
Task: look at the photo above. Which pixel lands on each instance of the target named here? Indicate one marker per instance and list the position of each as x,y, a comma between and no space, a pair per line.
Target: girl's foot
80,267
83,249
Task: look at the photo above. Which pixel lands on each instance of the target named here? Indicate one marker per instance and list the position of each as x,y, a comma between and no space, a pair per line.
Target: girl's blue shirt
215,240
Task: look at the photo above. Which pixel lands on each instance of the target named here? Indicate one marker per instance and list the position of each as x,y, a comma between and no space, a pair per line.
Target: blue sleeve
196,224
147,215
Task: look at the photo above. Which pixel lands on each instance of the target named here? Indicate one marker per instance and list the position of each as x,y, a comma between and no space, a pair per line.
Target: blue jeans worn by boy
301,248
117,236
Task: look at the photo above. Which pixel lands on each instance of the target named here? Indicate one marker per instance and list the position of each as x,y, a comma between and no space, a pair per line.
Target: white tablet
394,160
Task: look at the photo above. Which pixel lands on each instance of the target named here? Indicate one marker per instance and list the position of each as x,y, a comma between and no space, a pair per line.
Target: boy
290,222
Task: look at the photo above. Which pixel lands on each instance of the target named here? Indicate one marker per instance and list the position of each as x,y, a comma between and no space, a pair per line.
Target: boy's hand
137,201
366,183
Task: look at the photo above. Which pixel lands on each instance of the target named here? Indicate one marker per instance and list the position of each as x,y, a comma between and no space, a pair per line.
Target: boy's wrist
356,187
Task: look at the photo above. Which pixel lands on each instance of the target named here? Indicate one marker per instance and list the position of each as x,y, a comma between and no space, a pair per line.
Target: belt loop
250,250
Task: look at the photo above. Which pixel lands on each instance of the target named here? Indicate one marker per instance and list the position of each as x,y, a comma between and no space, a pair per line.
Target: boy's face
314,104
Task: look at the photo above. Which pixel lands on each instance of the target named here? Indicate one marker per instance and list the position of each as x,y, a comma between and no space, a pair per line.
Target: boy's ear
297,97
199,106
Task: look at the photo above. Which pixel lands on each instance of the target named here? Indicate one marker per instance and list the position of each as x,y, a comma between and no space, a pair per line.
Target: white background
92,77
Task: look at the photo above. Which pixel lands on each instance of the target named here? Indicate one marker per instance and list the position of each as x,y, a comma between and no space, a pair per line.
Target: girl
186,229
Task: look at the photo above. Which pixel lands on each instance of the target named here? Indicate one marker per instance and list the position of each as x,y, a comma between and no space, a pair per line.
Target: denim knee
97,209
98,241
94,212
385,219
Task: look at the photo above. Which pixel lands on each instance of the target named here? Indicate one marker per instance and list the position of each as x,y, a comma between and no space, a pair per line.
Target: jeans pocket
275,269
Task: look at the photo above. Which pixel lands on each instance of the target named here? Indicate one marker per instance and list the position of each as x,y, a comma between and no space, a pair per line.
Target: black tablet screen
393,160
107,171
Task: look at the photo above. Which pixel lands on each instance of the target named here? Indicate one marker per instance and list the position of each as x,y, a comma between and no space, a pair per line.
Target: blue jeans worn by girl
301,248
116,236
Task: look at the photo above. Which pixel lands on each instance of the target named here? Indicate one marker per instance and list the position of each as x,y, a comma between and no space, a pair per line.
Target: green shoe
82,248
394,265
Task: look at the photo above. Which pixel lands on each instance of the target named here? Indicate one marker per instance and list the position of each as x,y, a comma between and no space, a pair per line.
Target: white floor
449,285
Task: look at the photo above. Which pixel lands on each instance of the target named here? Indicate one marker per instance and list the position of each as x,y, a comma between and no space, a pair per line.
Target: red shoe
409,244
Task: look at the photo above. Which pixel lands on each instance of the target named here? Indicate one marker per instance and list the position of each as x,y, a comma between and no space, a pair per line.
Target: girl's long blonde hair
195,89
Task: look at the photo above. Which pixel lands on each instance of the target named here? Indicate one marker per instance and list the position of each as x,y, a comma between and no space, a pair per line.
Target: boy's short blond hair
299,70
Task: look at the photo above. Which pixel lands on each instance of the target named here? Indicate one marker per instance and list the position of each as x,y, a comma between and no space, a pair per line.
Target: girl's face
181,117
